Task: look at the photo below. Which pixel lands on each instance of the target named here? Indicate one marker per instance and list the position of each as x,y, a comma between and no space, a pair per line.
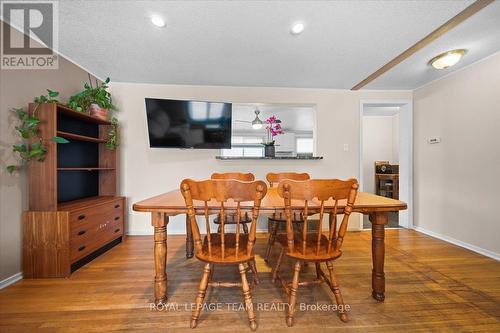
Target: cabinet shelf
80,115
79,137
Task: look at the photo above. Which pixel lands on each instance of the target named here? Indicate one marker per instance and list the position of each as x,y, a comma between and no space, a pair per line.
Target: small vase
96,111
269,151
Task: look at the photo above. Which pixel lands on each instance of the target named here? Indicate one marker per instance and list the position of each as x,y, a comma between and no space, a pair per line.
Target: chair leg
247,297
278,264
318,268
245,228
293,295
200,296
271,240
336,292
212,270
218,229
255,274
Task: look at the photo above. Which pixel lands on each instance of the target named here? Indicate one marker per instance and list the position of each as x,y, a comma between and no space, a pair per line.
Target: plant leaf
35,153
24,133
19,148
32,122
20,112
58,139
11,168
53,93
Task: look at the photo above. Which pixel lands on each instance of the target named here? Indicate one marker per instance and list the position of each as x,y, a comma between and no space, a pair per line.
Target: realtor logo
29,34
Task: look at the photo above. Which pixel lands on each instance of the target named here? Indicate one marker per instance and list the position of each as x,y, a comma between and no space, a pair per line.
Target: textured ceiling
247,43
480,35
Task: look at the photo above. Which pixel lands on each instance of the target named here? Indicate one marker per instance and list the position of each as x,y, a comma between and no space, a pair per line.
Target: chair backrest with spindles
246,177
227,195
301,193
275,178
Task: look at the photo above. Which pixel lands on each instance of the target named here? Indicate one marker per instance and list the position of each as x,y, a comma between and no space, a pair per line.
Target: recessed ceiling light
158,21
447,59
297,28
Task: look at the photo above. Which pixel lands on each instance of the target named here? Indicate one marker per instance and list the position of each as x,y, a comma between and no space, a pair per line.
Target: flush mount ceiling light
297,28
158,21
447,59
257,123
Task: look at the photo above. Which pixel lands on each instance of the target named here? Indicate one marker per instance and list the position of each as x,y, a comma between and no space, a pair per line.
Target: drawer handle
117,206
81,232
81,217
117,218
81,248
116,230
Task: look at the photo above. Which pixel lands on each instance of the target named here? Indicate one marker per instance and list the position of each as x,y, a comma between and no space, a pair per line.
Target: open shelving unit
82,168
74,211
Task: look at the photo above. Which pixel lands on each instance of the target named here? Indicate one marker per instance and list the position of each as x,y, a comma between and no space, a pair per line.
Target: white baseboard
10,280
457,242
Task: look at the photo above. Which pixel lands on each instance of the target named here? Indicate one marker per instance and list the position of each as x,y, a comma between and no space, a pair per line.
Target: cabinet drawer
93,227
80,247
95,214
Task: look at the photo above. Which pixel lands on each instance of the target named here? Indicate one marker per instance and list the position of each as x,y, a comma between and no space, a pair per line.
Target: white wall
395,139
17,89
146,172
380,143
457,182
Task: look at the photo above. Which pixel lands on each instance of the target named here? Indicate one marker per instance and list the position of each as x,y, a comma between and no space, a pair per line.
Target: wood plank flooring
432,286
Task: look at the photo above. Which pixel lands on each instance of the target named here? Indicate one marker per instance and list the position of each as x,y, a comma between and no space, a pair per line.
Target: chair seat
231,218
230,255
310,251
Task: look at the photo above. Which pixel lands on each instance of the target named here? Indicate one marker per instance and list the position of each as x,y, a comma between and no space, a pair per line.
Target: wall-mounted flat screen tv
188,124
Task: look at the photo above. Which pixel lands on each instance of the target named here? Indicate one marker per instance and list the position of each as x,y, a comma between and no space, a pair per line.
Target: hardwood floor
432,286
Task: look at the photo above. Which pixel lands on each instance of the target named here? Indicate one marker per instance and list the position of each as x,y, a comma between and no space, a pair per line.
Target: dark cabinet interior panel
75,126
73,185
78,154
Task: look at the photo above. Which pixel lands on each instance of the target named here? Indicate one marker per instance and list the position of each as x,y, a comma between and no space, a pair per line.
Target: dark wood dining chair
317,247
278,218
230,218
223,248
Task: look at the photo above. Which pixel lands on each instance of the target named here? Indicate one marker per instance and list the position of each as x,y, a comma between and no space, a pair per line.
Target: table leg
189,239
159,222
378,220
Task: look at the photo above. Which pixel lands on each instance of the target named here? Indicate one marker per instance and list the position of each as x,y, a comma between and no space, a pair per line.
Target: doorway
386,155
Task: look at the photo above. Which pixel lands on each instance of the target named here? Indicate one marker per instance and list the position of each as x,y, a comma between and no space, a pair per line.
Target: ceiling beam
450,24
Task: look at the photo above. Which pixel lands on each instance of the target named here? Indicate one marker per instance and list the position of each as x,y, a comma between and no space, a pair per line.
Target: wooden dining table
172,203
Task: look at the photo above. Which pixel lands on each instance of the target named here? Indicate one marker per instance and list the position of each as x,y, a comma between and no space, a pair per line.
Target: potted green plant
97,101
272,129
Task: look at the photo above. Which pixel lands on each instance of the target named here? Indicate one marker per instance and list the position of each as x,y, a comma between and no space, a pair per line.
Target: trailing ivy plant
32,145
112,142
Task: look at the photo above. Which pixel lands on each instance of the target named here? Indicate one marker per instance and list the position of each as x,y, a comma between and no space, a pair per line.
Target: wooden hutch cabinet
74,211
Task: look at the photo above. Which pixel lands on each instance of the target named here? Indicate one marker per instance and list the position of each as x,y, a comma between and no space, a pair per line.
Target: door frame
405,153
